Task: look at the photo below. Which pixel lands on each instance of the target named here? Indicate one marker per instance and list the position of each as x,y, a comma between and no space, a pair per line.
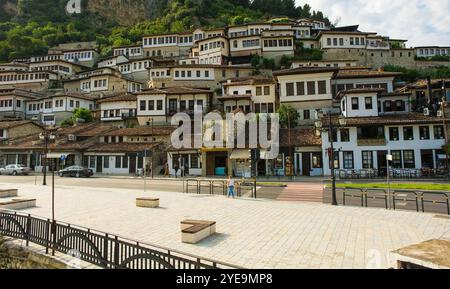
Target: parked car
76,171
16,170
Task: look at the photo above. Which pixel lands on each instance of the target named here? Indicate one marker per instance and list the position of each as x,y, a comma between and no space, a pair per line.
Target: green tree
82,113
288,115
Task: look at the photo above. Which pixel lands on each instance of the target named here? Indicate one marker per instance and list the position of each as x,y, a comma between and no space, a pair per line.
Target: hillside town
131,97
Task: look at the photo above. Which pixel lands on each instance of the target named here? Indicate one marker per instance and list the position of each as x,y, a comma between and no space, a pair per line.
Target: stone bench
432,254
9,193
193,231
147,202
18,204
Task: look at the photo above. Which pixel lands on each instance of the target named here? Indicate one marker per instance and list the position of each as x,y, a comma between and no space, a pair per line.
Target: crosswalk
302,192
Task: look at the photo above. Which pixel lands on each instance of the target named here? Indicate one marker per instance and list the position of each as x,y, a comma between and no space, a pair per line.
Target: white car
16,170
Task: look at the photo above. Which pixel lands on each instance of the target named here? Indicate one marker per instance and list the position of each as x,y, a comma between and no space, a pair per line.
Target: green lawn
271,184
401,186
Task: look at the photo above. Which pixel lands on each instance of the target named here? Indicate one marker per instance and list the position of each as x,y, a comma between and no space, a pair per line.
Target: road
100,182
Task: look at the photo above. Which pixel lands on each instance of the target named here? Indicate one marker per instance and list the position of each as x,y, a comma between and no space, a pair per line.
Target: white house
131,51
159,105
119,107
377,124
430,51
214,50
54,109
250,94
307,90
342,40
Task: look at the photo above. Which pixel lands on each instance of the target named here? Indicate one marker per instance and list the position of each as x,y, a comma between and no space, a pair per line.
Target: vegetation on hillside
412,75
40,24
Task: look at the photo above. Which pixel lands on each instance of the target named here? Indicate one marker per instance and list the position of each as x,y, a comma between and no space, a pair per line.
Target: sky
421,22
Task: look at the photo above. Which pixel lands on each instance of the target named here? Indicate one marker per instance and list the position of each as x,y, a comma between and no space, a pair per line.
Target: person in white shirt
230,185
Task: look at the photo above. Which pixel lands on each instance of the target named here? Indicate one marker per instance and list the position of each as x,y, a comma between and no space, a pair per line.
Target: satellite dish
73,7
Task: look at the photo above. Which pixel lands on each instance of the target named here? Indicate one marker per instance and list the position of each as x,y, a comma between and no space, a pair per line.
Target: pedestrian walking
230,185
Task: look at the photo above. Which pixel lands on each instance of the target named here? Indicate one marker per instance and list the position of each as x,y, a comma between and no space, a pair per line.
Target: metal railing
218,187
98,248
395,198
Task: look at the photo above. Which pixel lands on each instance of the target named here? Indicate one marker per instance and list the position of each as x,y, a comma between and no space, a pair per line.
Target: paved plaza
251,233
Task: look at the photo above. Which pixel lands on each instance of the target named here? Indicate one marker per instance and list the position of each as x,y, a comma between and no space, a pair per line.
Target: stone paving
251,233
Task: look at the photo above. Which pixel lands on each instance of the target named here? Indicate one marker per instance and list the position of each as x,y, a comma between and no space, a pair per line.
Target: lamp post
331,128
46,136
443,105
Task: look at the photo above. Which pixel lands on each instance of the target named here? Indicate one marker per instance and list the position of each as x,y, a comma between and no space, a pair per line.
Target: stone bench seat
147,202
193,231
8,193
18,204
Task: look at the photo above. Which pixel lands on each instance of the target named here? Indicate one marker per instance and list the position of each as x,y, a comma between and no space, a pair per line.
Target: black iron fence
98,248
218,187
420,201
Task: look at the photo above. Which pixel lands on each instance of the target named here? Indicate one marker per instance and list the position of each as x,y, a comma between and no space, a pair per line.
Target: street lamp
46,136
331,128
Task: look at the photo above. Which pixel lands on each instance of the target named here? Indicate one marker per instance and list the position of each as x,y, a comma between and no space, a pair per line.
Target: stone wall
379,58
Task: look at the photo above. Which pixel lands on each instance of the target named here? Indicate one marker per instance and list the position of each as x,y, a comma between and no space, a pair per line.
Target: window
424,132
125,162
207,73
159,105
317,160
266,90
345,135
151,105
311,87
408,133
258,91
300,88
369,104
438,132
396,159
409,160
106,162
400,105
118,162
306,114
348,160
393,134
91,162
367,160
371,132
289,89
194,161
355,103
142,105
322,87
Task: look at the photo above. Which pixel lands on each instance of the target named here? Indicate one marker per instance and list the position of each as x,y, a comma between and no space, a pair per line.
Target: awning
58,155
242,154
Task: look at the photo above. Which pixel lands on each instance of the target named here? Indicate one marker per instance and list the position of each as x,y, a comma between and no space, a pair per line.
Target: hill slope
29,27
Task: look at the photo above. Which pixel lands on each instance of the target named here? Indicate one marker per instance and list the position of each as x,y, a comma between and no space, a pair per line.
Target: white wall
401,145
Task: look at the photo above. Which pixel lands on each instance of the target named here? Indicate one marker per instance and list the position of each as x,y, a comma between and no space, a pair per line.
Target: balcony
372,142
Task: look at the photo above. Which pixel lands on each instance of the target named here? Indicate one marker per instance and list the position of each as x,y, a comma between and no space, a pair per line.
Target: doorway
99,164
133,165
427,159
306,164
382,163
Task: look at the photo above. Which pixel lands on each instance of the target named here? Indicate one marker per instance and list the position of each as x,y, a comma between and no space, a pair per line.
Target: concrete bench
432,254
147,202
18,204
193,231
9,193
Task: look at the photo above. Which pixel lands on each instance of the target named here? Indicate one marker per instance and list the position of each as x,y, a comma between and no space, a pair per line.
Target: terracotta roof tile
300,137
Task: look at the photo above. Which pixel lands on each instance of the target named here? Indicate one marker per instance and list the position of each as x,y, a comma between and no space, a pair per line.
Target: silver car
16,170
